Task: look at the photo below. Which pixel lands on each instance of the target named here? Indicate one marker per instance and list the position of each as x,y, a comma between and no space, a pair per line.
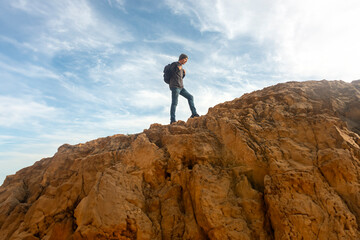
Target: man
177,87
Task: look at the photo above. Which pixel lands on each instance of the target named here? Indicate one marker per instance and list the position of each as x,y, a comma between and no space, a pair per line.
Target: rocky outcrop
280,163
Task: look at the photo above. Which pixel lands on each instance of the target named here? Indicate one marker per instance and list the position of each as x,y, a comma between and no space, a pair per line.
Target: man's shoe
194,115
171,122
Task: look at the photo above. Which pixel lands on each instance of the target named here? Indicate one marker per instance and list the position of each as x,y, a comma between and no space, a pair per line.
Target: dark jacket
176,80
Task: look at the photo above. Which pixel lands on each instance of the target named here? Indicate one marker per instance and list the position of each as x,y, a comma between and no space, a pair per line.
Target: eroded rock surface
280,163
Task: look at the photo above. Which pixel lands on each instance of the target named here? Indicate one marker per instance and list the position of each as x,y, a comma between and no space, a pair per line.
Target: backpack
167,73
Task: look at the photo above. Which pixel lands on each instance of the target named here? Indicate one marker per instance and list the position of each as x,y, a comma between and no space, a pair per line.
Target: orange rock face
280,163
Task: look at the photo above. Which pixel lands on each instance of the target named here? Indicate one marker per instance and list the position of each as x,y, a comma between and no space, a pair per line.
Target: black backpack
167,73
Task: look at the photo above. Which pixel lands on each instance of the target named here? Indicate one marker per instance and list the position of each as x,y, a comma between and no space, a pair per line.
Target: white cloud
17,43
231,18
80,92
70,25
148,99
305,38
26,69
188,44
132,80
322,39
15,112
120,4
127,69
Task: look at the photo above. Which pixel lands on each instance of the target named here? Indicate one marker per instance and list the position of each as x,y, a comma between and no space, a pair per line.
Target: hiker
177,87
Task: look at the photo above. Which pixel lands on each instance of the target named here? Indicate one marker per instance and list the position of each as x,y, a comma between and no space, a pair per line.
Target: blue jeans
174,101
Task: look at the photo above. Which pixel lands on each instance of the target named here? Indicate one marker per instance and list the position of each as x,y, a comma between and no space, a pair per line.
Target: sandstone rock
279,163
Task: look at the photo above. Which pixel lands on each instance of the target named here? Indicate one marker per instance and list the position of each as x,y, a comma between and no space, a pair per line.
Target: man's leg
174,101
190,99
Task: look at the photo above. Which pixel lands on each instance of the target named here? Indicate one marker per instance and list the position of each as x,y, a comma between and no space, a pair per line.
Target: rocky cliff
280,163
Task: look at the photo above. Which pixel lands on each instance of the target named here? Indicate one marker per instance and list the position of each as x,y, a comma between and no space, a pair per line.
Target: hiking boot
194,115
171,122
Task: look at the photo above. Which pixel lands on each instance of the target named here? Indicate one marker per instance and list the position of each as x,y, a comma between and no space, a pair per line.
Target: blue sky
73,71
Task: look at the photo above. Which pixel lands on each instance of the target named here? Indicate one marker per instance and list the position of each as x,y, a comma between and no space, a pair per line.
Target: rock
279,163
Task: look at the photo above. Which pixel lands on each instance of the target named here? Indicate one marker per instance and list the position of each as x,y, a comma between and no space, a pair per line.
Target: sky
74,71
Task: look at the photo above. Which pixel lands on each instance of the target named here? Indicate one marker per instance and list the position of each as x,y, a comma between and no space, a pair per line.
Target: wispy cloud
231,18
15,112
120,4
304,38
70,25
320,39
28,70
186,43
18,44
149,100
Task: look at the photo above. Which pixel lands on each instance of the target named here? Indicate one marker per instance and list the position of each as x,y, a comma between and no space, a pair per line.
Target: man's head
183,58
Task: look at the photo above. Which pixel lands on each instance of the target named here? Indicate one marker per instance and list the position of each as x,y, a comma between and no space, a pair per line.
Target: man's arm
181,69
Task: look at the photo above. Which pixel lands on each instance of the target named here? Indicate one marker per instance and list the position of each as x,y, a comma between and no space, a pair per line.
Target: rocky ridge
279,163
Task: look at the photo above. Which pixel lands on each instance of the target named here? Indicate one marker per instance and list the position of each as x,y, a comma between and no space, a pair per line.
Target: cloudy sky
73,71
